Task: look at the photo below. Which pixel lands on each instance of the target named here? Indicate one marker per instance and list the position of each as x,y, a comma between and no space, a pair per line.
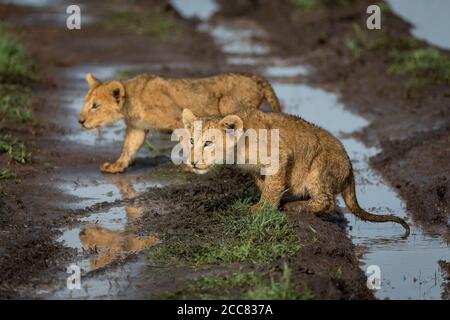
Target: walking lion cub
313,164
149,102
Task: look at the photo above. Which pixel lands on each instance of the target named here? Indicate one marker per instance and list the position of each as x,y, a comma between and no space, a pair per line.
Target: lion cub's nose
81,121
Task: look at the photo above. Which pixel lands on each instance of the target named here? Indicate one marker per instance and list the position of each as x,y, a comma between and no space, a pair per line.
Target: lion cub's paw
112,167
255,207
295,206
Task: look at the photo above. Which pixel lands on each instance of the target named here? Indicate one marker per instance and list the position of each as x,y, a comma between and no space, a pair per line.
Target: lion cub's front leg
134,139
272,188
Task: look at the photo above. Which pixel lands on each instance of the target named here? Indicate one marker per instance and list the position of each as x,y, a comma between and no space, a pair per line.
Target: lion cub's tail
269,93
349,196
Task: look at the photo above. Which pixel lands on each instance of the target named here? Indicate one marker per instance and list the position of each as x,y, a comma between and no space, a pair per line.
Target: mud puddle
409,267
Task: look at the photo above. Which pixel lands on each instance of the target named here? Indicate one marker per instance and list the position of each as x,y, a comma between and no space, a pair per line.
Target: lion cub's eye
95,106
208,143
192,141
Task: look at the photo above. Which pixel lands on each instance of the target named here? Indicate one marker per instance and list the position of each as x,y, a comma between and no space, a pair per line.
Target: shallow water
202,9
430,19
409,267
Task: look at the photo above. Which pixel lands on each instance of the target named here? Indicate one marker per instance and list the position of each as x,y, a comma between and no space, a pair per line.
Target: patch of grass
242,285
14,63
364,42
278,290
304,5
7,174
384,7
13,106
354,47
307,5
15,149
152,21
424,66
259,237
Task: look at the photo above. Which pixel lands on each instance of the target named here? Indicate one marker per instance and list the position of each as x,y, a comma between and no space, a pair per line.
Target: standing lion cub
312,164
150,102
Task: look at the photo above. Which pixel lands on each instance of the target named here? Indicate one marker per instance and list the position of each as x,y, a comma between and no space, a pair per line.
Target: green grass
281,289
15,149
13,105
14,62
304,5
151,21
259,237
384,7
7,174
242,285
307,5
423,65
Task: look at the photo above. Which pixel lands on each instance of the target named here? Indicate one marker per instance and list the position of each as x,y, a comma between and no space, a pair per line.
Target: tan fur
313,164
111,245
151,102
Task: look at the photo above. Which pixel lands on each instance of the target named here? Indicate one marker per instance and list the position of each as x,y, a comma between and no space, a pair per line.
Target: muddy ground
411,124
30,256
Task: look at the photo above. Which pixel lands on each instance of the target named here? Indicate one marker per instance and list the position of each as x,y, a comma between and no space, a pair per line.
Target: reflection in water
109,245
127,191
104,237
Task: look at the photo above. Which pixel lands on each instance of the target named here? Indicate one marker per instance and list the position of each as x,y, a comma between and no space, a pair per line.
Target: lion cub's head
102,104
210,139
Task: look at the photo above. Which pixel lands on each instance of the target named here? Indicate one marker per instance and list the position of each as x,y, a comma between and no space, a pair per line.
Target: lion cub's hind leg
323,203
321,198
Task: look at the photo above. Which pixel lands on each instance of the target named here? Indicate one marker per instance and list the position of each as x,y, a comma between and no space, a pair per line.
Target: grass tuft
7,174
423,65
13,106
14,65
151,22
304,5
15,149
278,290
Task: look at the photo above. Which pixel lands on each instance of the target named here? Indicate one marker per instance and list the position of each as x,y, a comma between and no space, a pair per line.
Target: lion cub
313,164
151,102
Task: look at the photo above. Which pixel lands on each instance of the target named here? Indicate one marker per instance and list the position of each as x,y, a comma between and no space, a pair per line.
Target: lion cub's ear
92,81
117,90
188,118
231,122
